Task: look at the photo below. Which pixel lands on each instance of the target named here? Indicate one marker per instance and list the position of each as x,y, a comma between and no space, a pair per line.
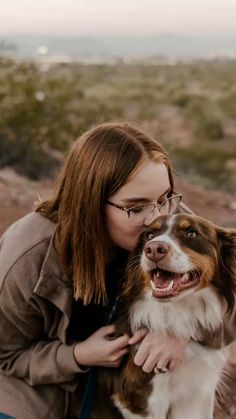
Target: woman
61,269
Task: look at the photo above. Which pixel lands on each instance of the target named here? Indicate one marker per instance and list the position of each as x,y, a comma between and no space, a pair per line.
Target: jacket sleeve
29,345
26,354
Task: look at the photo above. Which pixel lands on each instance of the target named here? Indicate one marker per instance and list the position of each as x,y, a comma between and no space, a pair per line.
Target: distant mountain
114,47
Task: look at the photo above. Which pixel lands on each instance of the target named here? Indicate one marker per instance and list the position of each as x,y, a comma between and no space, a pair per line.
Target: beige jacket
35,309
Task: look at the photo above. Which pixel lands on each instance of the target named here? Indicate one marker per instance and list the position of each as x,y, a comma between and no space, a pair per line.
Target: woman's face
150,184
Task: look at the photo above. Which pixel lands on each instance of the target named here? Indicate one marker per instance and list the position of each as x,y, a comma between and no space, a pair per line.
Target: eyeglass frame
128,210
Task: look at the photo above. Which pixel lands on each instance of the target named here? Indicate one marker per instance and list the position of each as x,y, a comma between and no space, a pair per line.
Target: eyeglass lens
143,214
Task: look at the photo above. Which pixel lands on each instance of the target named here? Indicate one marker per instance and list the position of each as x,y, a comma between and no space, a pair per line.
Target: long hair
101,161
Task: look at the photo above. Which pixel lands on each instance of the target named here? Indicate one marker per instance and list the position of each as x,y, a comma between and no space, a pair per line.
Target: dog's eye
191,234
150,236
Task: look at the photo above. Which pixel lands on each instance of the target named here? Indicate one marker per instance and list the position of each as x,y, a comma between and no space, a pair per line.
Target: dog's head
182,254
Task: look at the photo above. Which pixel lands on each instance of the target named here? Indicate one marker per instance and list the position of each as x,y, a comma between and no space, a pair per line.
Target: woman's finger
149,364
121,353
152,362
119,343
105,331
138,335
141,355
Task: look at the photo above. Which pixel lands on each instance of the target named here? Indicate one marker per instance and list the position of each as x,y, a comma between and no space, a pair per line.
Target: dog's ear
227,263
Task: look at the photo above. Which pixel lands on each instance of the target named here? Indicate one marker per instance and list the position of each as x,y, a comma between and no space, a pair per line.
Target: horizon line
130,35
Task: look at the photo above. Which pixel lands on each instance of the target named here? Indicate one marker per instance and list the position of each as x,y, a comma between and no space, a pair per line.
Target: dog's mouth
169,284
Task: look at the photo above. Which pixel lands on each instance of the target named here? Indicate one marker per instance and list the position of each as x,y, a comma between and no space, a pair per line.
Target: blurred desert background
190,106
181,87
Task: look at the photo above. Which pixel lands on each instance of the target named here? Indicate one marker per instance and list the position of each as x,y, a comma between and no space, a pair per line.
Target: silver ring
160,370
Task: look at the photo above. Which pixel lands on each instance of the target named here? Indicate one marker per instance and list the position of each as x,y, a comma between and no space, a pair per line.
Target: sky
117,17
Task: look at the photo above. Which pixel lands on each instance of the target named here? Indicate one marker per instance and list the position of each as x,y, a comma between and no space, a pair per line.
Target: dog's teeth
170,286
185,277
153,285
157,274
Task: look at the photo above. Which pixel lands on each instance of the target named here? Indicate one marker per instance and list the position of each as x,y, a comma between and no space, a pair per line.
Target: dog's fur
196,307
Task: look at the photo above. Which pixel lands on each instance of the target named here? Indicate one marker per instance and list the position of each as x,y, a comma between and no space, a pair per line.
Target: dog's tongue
162,279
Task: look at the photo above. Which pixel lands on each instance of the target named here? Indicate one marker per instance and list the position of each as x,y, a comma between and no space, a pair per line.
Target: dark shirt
85,320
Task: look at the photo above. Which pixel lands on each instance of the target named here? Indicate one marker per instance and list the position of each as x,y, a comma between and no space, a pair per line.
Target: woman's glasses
143,214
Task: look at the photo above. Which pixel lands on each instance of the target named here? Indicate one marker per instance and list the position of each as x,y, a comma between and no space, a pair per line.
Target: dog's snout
156,250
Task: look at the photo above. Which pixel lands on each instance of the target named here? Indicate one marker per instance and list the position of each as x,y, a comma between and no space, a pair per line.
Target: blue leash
88,398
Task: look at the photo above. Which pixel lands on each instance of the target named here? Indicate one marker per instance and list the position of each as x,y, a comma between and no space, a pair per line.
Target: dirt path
17,196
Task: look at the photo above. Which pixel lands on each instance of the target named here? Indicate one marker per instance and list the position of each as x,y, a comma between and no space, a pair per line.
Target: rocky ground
18,195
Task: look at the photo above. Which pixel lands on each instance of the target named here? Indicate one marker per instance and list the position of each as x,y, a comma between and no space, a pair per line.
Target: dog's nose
156,250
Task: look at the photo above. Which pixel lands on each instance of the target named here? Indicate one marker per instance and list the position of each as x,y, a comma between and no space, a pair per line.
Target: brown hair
100,162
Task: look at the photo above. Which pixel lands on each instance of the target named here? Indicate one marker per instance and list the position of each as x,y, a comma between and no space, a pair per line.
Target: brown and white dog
180,279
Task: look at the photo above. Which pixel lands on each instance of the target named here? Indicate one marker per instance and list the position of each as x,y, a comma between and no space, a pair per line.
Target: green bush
206,118
27,159
228,104
205,163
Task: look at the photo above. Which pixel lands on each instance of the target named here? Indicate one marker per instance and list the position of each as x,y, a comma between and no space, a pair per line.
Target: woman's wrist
78,356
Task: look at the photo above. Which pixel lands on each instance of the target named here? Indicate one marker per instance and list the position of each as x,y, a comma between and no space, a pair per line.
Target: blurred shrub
28,159
210,127
206,118
43,111
181,99
202,161
228,104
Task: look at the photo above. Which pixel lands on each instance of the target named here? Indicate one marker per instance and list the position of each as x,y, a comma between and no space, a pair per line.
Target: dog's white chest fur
188,392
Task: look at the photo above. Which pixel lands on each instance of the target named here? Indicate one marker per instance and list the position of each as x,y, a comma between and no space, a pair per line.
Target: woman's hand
166,350
102,349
